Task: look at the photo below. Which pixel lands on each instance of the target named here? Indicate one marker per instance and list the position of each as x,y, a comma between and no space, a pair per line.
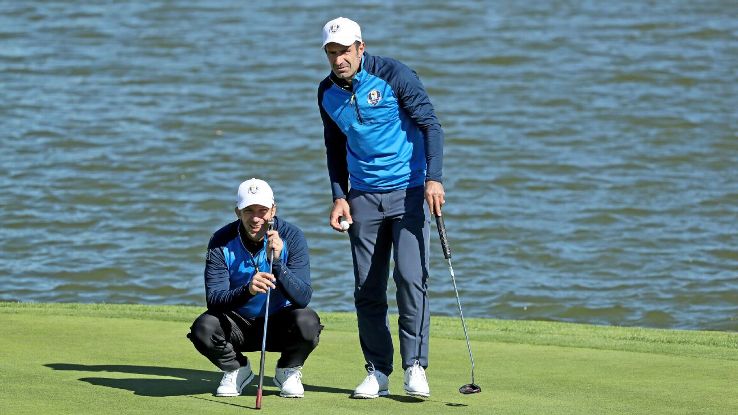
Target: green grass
99,358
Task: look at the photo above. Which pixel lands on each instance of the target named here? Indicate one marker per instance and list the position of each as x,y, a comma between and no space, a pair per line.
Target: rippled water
591,149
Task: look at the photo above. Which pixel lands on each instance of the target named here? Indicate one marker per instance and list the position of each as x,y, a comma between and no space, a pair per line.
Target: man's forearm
297,289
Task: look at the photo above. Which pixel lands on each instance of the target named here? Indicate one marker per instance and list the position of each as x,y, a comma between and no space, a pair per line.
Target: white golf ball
345,225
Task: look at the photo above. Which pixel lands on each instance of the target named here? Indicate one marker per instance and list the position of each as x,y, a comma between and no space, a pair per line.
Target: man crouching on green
236,283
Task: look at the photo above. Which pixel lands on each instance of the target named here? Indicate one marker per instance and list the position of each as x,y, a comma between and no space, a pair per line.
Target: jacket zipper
251,256
353,102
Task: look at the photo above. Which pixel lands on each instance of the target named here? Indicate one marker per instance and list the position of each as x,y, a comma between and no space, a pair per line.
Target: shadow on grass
411,399
185,382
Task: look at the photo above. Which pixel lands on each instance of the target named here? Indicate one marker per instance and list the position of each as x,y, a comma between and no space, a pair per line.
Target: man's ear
235,210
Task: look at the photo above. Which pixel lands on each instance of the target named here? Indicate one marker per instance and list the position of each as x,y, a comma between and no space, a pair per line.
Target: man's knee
370,300
203,328
308,326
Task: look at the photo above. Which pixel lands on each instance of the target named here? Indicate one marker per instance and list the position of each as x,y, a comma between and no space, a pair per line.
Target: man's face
254,219
344,60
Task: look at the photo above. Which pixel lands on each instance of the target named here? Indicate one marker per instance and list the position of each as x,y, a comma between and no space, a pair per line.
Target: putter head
470,388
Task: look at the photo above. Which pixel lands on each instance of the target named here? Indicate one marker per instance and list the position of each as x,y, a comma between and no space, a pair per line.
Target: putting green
100,359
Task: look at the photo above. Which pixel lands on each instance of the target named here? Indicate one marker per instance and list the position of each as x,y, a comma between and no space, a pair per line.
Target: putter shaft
259,390
463,322
447,254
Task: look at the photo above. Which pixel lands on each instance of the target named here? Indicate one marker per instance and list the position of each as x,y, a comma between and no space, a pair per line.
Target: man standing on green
383,139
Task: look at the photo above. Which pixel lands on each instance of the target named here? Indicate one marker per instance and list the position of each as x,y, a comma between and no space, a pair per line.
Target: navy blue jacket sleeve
218,295
335,148
414,99
293,278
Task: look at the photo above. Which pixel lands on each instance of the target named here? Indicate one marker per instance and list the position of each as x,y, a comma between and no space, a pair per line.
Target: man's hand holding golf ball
340,218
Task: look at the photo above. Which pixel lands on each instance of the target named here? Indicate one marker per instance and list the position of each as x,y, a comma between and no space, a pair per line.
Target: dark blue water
591,158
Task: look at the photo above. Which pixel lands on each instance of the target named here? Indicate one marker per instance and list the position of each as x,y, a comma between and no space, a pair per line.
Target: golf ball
345,225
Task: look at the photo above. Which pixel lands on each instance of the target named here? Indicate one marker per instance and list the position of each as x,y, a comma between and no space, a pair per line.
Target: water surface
590,161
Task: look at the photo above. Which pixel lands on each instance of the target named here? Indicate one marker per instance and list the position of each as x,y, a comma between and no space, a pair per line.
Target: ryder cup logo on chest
374,97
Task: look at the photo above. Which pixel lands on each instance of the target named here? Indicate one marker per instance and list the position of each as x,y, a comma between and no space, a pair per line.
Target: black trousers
222,337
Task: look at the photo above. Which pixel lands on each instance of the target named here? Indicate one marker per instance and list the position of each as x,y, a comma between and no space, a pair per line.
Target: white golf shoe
234,381
289,381
416,384
375,384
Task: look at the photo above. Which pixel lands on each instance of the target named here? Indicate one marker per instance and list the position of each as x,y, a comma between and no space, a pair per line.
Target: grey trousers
391,225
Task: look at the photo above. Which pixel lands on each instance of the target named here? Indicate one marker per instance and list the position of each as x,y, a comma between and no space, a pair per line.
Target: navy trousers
393,225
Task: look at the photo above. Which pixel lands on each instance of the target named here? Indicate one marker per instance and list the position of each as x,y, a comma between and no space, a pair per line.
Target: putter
472,387
260,389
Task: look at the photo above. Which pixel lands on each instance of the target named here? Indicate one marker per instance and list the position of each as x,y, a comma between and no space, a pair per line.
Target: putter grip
444,239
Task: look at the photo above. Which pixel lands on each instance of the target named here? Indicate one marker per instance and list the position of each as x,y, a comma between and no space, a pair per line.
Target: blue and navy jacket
381,132
229,268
